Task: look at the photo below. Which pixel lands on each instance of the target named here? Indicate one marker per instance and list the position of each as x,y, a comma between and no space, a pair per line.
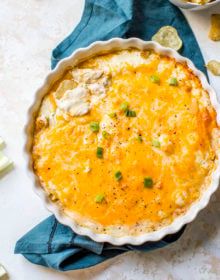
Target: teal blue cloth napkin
56,246
50,243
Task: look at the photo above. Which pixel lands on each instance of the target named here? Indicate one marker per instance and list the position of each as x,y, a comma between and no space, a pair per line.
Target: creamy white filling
86,75
75,102
96,89
78,101
133,58
163,66
178,73
179,197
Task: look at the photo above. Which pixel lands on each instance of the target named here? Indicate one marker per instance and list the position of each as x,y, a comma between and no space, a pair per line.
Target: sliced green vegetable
156,143
173,82
130,114
112,115
99,152
118,175
124,106
105,134
5,162
140,139
155,79
99,198
3,273
148,182
94,126
1,143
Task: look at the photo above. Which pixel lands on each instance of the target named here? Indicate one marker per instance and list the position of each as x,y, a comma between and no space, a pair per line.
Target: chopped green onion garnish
173,82
130,113
155,79
156,143
140,139
148,182
112,115
99,198
99,152
94,126
105,134
124,106
118,175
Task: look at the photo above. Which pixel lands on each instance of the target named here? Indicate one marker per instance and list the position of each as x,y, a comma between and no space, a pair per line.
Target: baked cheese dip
126,142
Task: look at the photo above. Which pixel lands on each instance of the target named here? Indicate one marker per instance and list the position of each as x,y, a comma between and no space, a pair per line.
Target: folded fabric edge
61,50
64,44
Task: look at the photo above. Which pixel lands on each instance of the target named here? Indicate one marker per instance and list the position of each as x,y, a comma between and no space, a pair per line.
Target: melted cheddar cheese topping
126,142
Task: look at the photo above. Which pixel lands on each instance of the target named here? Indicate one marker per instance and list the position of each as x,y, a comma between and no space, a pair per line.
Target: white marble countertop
28,32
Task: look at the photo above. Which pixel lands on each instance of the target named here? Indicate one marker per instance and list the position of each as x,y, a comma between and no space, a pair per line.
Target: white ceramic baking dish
76,57
192,6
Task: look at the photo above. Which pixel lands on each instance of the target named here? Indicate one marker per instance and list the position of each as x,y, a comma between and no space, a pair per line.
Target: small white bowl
53,76
192,6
